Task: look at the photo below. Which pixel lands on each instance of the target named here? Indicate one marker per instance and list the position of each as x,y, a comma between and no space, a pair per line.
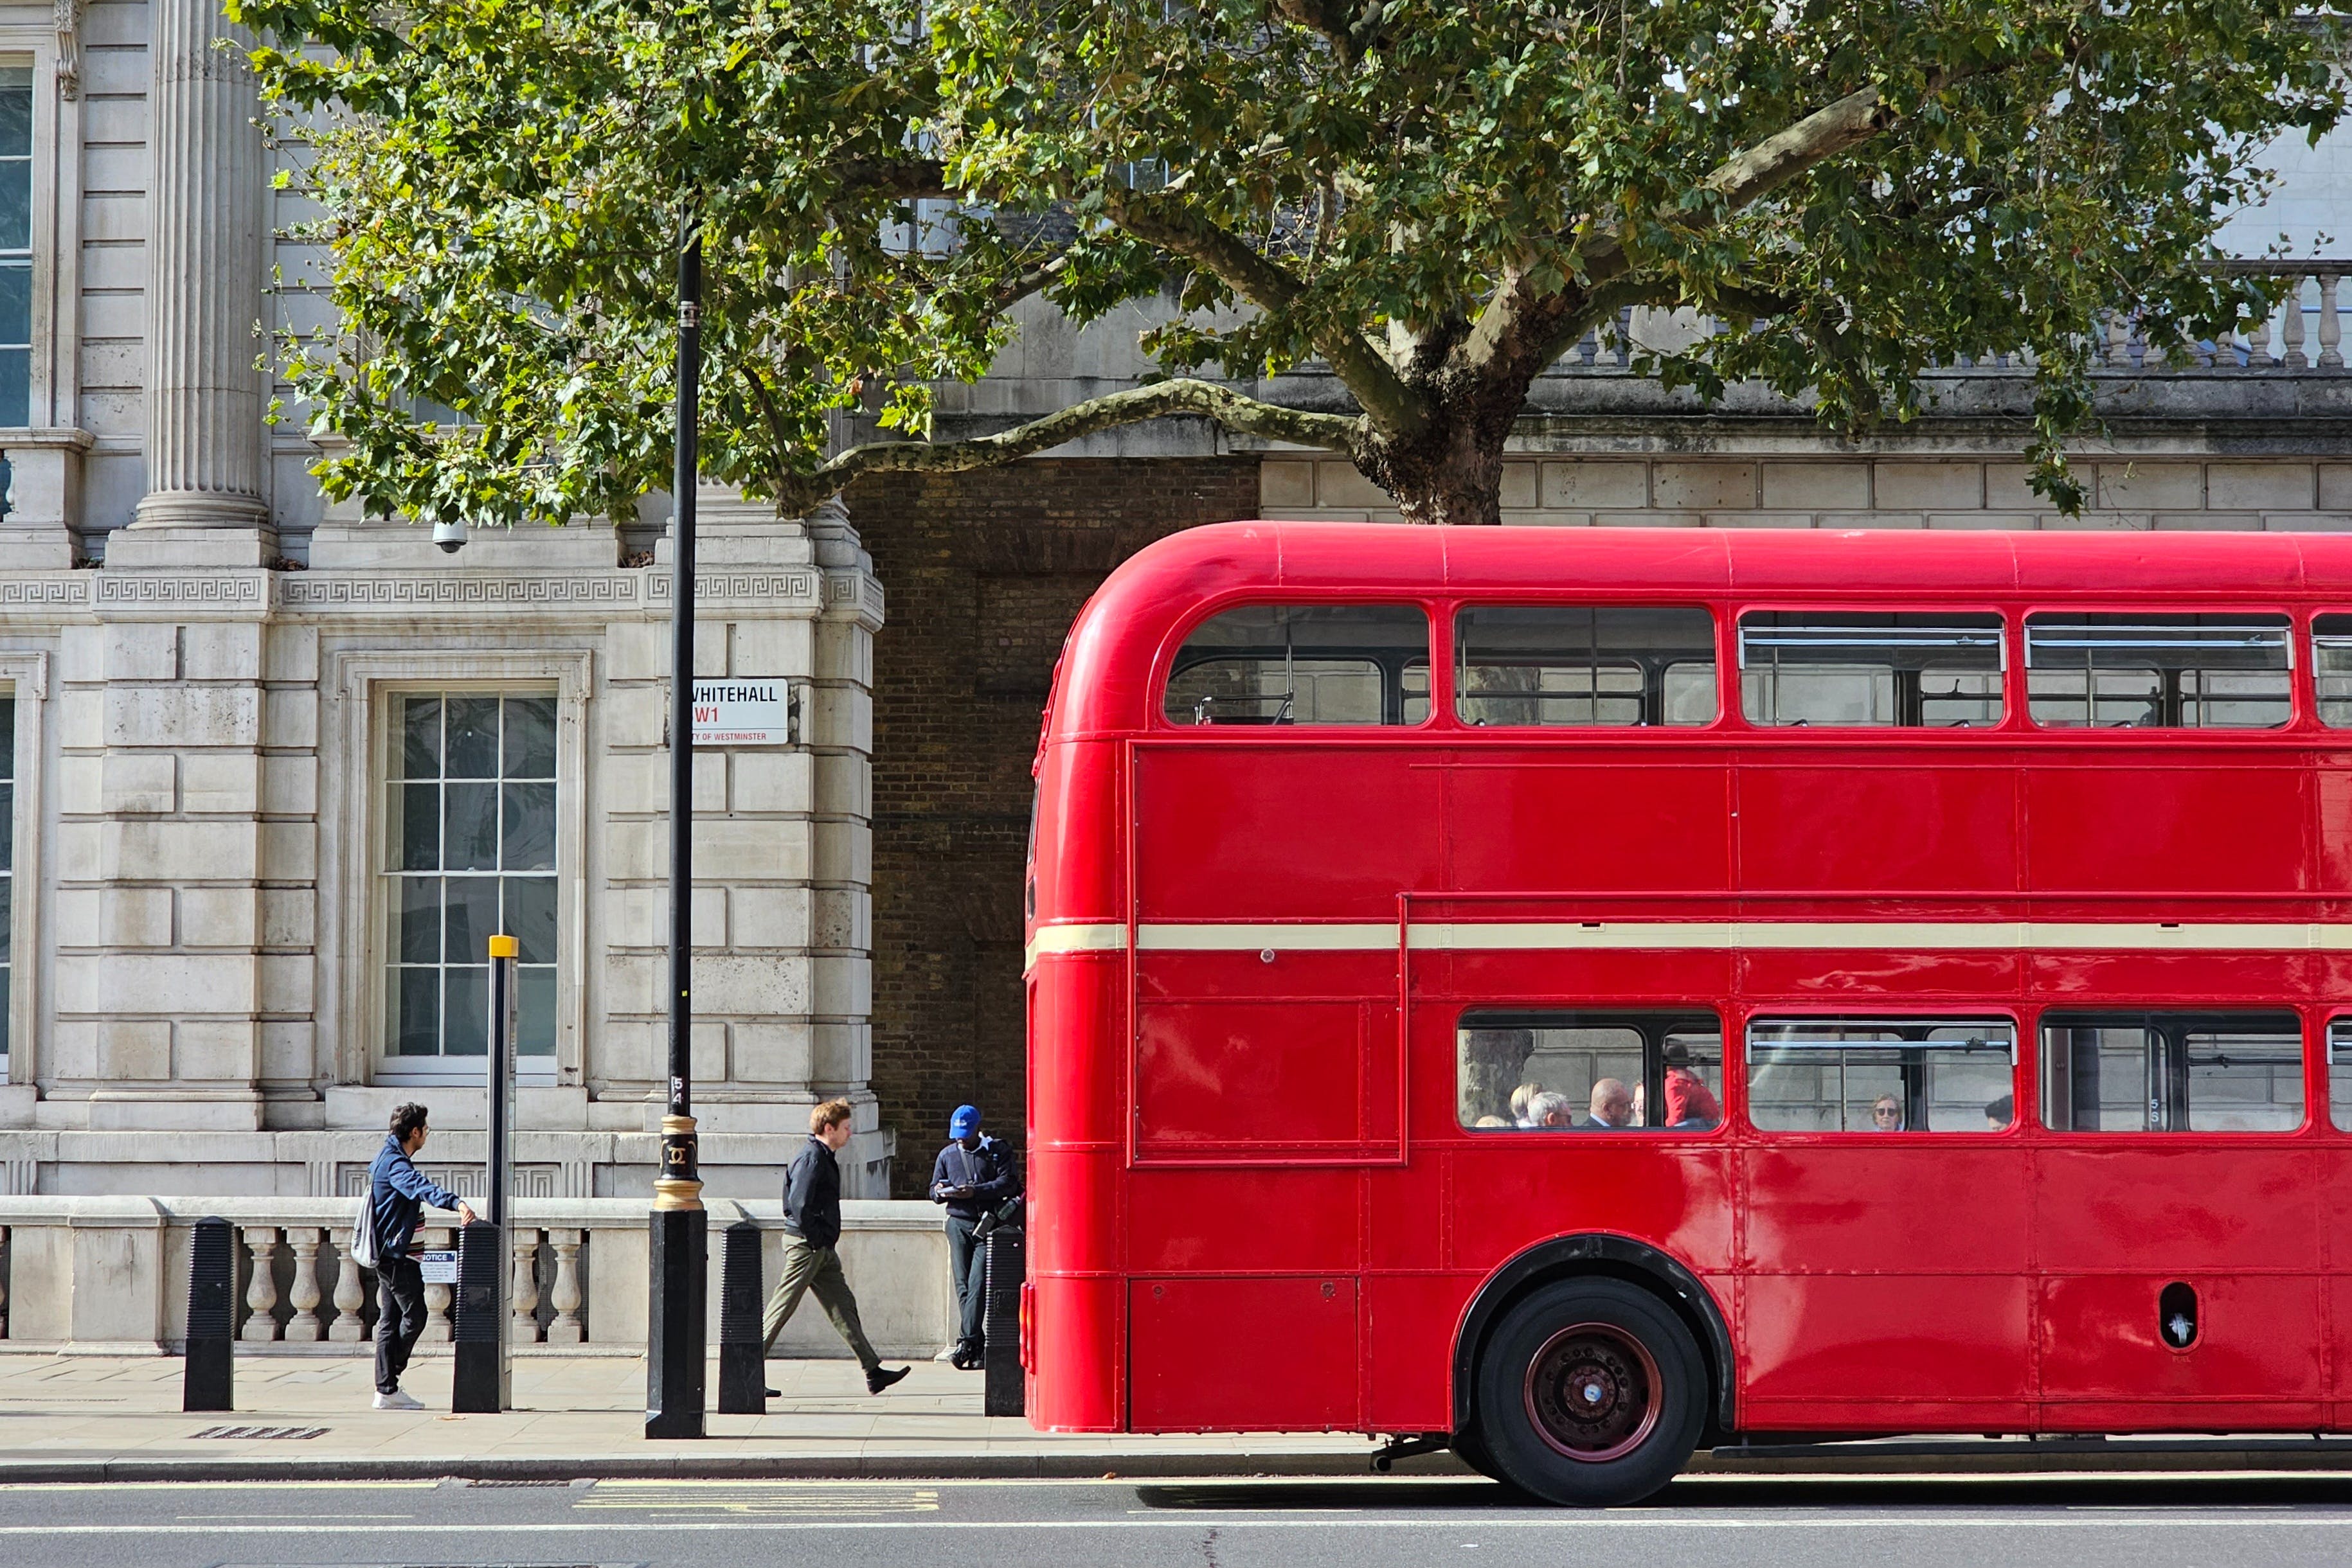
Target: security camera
450,535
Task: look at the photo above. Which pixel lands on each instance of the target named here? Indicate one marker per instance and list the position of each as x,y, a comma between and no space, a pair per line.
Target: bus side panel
1244,1354
1079,851
2125,825
1075,1116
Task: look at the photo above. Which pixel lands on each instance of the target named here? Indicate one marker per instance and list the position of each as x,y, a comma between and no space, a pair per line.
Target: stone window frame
362,684
26,675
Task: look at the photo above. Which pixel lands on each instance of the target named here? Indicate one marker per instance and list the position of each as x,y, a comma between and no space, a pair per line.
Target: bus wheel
1590,1392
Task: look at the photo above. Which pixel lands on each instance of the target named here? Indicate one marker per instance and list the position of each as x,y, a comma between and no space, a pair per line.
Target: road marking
831,1498
1611,1521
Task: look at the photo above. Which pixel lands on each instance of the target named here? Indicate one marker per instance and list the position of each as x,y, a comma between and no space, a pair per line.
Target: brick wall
984,573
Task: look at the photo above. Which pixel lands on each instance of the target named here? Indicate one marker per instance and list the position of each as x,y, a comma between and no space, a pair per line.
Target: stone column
207,256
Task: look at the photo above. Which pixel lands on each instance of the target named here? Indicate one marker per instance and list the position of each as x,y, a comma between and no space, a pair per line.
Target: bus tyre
1590,1392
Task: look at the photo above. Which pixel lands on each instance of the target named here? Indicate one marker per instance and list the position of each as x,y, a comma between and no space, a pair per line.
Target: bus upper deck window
2158,672
1583,664
1881,1075
1319,664
2331,668
2339,1073
1921,671
2171,1073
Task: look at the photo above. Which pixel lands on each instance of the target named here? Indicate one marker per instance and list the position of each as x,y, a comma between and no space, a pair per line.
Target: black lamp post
680,1240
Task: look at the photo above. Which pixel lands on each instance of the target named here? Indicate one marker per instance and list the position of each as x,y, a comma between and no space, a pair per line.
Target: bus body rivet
1266,955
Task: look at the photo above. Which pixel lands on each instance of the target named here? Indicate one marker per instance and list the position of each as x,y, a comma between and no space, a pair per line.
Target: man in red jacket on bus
1689,1100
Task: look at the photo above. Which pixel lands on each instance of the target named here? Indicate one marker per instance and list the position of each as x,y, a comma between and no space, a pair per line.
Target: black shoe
967,1361
882,1377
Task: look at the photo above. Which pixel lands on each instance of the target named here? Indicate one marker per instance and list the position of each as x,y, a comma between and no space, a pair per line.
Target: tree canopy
1434,199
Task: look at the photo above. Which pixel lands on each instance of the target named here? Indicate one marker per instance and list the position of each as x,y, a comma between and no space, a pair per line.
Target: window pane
2331,668
1590,1072
16,204
15,387
2339,1073
529,825
415,1012
16,112
420,737
1559,665
470,820
465,1016
530,738
7,827
1314,665
473,738
419,844
2171,1073
2164,672
419,919
6,977
1917,671
1881,1075
530,917
471,918
535,1032
7,738
16,302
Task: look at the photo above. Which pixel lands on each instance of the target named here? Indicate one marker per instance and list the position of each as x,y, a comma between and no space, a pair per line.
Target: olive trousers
816,1270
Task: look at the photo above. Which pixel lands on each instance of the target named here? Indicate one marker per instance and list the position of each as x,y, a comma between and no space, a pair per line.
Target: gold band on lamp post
677,1153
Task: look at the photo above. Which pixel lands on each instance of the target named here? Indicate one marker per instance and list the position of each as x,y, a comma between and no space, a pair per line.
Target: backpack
361,1246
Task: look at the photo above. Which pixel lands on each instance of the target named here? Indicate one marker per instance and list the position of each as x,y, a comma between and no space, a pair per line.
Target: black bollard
209,1380
480,1384
1003,1392
742,1370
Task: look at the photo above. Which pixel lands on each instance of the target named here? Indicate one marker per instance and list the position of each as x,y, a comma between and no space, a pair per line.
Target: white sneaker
398,1399
947,1352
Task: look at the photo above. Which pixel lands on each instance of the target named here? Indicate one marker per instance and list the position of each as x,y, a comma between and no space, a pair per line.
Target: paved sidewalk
119,1418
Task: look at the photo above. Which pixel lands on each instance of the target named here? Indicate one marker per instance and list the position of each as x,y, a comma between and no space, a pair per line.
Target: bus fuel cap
2176,1315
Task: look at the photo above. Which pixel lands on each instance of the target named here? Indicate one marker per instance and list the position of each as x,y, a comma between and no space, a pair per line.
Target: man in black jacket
973,1176
811,1230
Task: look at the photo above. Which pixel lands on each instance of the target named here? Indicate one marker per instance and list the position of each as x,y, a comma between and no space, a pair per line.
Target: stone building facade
272,770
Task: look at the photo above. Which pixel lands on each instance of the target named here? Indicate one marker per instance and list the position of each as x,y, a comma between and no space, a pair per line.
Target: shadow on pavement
2195,1494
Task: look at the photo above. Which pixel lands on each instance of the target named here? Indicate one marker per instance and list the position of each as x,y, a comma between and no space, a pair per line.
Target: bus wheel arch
1596,1256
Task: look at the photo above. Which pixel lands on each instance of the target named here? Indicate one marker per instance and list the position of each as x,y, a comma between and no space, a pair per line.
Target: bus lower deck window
1881,1075
2159,672
2131,1072
1590,1072
1304,664
1938,671
1580,664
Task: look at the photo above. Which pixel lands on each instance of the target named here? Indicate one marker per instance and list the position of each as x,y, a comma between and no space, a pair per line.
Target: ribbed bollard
478,1384
209,1381
742,1374
1003,1392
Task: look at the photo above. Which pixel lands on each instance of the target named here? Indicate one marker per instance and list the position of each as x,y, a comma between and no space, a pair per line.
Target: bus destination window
1591,1072
1881,1075
2331,668
1583,665
2339,1073
1935,671
2114,1071
2158,672
1320,665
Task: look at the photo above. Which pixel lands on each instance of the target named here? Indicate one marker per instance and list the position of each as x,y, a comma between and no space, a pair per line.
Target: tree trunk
1451,471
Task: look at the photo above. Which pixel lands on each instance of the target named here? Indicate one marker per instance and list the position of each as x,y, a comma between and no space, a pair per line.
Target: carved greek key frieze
737,586
234,592
40,591
616,591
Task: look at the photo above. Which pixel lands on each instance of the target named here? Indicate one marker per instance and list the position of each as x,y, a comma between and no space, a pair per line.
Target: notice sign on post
748,710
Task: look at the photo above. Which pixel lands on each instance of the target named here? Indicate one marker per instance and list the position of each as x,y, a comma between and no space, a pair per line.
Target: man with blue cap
974,1176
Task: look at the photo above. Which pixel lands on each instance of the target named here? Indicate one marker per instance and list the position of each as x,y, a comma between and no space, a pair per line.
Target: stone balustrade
110,1274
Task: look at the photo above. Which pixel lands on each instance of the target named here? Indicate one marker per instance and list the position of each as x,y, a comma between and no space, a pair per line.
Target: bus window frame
2012,656
1436,615
1718,1010
2023,1061
2306,633
2308,1019
2303,714
1725,641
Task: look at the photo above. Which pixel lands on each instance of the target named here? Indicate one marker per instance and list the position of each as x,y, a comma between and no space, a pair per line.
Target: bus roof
1103,683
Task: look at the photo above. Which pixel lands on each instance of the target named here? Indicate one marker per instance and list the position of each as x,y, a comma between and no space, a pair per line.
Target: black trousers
399,1319
968,1261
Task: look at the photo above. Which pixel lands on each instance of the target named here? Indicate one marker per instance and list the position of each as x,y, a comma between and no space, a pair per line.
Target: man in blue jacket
973,1177
397,1194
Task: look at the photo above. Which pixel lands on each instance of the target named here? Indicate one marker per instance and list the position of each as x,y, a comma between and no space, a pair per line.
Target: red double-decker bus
1587,994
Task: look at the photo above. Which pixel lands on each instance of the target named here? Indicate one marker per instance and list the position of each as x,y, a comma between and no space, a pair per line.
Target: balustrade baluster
2119,350
2291,327
438,1329
348,1326
2258,347
566,1329
2331,324
523,1286
261,1288
303,1327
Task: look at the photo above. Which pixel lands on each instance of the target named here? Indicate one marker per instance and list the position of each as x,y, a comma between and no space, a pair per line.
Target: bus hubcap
1593,1391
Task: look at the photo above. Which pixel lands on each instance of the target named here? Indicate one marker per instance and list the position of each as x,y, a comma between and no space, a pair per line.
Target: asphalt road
1783,1523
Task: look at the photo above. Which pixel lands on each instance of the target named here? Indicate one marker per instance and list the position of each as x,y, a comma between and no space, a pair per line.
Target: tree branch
1174,228
1161,400
908,179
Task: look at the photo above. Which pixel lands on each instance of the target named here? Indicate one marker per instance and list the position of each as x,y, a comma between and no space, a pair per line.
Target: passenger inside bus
1876,1074
1999,1113
1611,1107
1886,1115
